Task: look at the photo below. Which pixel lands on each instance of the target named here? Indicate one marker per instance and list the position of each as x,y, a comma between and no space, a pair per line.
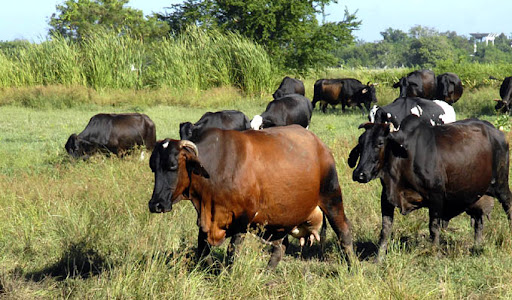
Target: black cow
289,86
449,88
436,112
225,119
290,109
347,91
506,96
444,168
113,133
419,83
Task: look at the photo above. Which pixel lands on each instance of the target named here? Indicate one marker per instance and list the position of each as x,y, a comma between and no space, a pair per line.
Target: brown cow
347,91
449,88
273,178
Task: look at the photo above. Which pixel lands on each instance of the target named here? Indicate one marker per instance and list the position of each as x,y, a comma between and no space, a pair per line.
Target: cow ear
364,91
354,156
191,153
366,125
397,144
194,165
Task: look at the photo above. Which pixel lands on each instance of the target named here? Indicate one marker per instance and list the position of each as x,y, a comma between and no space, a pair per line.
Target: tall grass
194,60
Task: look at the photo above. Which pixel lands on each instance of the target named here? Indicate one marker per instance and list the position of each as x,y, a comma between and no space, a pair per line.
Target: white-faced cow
225,119
504,105
420,83
289,86
290,109
444,168
435,112
275,178
449,88
347,91
112,133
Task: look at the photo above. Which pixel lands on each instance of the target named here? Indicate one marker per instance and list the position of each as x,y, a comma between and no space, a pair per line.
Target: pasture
75,229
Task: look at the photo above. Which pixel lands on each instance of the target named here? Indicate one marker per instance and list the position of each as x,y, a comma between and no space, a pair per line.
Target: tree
426,51
394,35
76,18
288,29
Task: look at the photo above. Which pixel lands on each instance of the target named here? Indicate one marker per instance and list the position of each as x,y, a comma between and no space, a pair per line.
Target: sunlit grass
75,229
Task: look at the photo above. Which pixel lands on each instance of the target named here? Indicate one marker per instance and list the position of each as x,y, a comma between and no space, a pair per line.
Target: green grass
74,229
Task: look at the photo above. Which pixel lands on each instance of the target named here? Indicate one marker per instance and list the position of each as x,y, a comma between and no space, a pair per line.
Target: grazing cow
290,109
449,88
225,119
348,92
436,112
273,178
504,105
419,83
289,86
444,168
113,133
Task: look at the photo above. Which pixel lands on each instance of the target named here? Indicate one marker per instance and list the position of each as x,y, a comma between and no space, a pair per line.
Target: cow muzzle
361,177
159,207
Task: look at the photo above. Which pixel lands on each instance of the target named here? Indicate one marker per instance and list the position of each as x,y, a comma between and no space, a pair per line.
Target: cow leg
478,224
323,106
203,249
505,198
362,109
388,212
233,247
335,213
434,226
278,248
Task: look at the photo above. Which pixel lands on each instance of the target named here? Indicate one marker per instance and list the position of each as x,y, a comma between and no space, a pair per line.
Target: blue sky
28,19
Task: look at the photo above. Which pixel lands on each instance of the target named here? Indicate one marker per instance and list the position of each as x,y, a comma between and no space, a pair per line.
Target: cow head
186,130
371,151
278,94
76,147
369,95
402,84
173,162
502,106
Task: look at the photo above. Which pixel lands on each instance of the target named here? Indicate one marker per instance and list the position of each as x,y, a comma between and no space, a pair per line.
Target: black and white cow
437,112
225,119
113,133
290,109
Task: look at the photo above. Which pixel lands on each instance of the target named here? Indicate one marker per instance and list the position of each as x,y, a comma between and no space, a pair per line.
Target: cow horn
497,100
187,143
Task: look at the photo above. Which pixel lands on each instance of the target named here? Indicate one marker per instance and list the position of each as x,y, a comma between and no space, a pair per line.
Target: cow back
267,172
449,88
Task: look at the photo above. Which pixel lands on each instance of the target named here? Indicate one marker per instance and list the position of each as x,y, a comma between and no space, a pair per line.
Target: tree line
424,47
288,30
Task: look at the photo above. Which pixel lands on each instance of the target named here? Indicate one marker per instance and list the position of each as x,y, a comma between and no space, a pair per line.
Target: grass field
74,229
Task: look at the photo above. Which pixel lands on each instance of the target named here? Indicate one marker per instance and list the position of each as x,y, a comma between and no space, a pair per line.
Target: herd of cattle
272,171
